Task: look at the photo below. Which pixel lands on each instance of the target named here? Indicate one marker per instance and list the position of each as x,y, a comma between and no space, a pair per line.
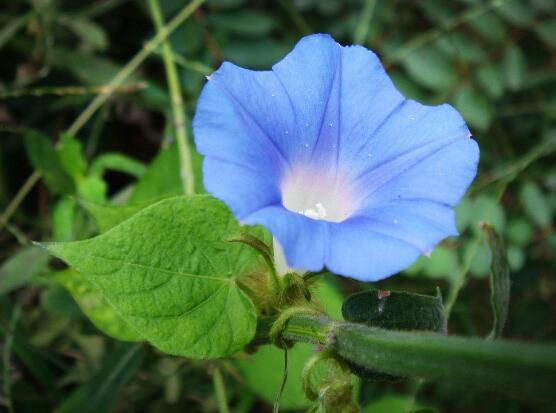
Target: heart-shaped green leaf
170,273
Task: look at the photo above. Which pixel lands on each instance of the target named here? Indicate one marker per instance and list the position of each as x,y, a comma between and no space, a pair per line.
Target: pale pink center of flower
317,194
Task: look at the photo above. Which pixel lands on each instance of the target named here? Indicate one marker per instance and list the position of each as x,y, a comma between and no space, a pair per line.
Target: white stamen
318,213
318,194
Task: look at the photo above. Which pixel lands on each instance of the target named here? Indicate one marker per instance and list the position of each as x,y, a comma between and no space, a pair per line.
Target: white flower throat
317,195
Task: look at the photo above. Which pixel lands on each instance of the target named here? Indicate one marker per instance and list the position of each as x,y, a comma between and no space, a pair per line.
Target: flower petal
357,251
418,222
311,77
303,239
440,172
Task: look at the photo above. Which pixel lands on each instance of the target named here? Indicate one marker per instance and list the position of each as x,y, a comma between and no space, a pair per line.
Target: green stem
178,108
521,370
220,391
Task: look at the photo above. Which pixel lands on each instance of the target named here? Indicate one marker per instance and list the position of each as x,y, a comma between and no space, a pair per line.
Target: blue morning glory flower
324,151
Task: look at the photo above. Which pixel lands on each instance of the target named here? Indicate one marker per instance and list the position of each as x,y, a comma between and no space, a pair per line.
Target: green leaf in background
170,272
547,31
108,216
515,67
394,310
429,67
71,156
244,22
63,217
519,232
491,79
161,178
21,267
517,12
44,158
271,359
499,280
486,208
393,403
92,303
475,108
535,204
481,258
92,188
117,162
101,391
91,34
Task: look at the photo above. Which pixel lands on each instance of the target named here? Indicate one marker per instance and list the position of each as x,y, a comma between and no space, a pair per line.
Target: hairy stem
521,370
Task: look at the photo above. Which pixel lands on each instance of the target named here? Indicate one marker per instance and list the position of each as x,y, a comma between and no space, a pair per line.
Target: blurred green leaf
547,31
20,268
490,26
44,158
486,208
93,188
117,162
516,12
58,302
480,262
499,280
535,204
516,258
102,390
474,107
392,403
462,47
92,303
515,67
519,232
464,214
108,216
63,217
71,156
430,67
254,54
491,79
443,263
244,22
92,35
161,178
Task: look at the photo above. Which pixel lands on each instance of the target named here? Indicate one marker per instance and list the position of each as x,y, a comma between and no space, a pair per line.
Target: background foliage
495,61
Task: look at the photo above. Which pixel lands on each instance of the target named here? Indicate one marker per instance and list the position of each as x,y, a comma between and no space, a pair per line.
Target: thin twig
71,90
176,98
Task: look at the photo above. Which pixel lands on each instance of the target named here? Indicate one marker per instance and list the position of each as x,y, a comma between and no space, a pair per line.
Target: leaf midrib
184,274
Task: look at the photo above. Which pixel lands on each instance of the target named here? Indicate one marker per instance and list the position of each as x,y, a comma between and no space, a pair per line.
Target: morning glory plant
347,175
326,153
